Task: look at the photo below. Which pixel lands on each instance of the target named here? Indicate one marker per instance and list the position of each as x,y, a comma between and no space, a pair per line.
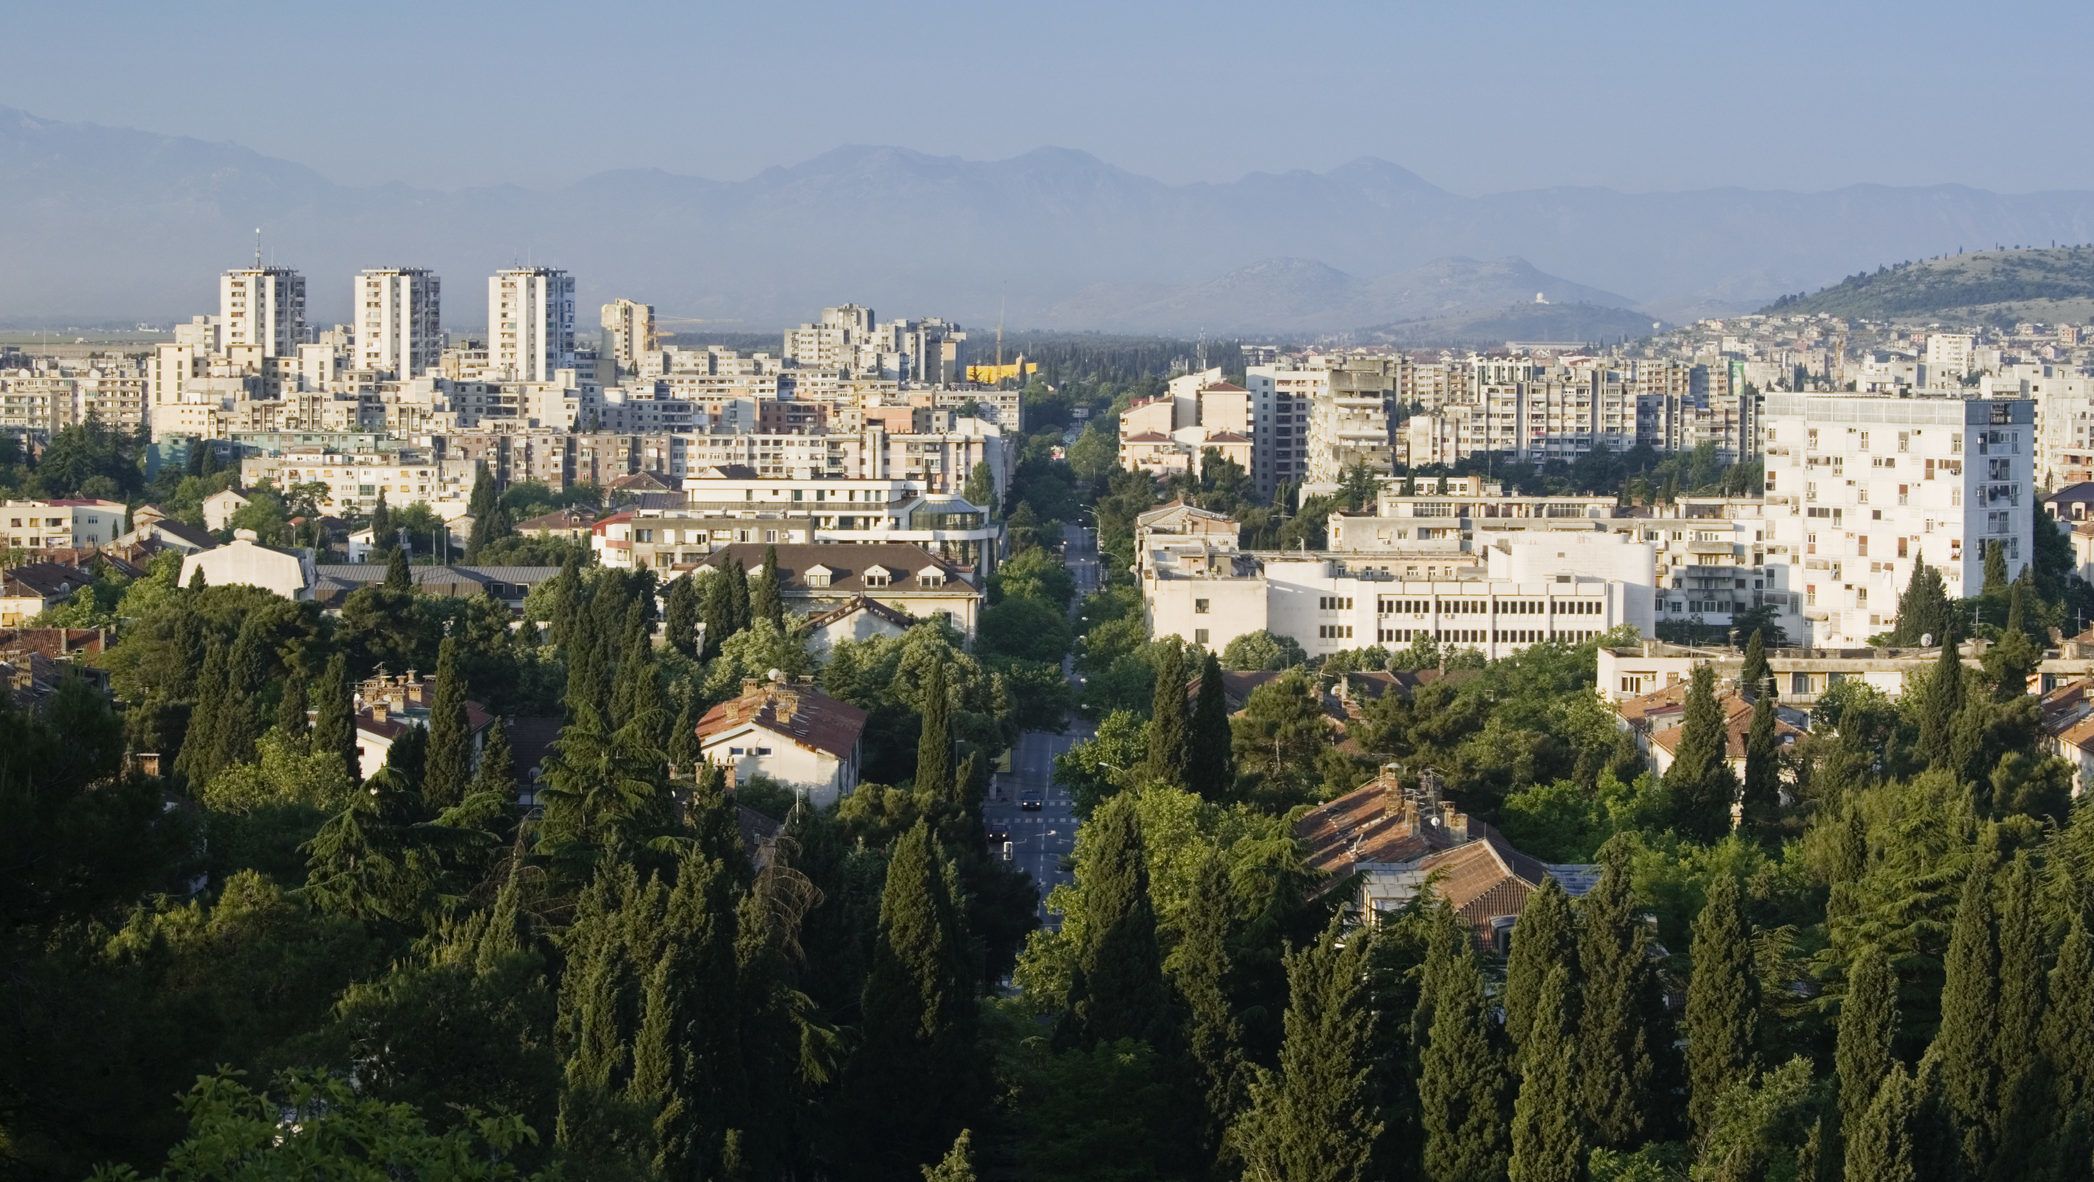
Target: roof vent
247,535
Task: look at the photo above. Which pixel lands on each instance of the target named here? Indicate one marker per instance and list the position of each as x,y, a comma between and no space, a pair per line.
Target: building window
1199,607
1199,636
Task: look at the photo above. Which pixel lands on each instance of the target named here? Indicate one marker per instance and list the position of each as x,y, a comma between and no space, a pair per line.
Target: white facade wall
530,323
263,306
1858,488
398,321
1280,400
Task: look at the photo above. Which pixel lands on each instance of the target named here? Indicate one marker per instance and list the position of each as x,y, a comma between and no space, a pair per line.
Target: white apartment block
262,306
831,342
1280,401
1352,418
715,511
355,480
44,400
55,525
530,323
1859,487
628,332
1520,591
1949,358
1173,433
398,321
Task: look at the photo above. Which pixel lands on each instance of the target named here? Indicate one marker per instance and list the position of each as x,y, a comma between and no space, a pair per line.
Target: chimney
1455,821
379,709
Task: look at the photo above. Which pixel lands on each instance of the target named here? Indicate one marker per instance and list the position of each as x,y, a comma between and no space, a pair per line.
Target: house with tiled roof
33,588
388,707
1656,721
2067,720
857,618
789,732
1395,836
816,577
571,524
245,561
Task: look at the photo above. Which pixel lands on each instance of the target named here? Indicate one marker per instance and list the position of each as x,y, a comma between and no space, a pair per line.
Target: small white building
220,506
386,707
858,618
245,561
61,524
789,732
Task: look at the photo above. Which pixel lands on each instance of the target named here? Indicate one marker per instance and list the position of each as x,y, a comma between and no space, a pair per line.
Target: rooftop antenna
257,248
1000,302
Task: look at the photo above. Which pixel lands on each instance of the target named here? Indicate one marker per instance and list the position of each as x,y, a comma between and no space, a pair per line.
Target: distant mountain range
1987,286
106,224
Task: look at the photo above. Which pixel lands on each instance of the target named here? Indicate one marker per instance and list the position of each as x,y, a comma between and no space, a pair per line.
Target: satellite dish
1927,640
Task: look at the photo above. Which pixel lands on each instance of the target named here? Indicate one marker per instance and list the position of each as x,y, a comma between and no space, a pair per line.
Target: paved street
1041,840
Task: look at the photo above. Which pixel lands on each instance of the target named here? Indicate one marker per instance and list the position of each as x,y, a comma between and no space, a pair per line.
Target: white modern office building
262,306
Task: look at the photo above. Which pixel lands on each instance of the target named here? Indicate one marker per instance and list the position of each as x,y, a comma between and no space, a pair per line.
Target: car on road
998,833
1030,801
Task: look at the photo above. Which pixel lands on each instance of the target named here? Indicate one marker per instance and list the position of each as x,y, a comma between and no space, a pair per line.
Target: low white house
246,562
789,732
386,707
220,506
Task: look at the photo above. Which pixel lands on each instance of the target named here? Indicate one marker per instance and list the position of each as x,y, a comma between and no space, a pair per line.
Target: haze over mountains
108,224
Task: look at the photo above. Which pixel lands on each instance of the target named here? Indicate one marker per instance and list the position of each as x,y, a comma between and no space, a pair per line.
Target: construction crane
655,333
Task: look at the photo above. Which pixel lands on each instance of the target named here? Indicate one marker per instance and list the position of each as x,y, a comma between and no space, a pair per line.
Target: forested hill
1991,286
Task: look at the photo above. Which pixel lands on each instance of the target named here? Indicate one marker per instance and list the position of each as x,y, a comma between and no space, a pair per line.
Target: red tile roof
794,710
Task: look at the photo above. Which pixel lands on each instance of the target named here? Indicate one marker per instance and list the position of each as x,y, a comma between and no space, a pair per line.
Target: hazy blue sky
1476,95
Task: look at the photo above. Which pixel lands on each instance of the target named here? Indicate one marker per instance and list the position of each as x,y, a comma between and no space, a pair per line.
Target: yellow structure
993,375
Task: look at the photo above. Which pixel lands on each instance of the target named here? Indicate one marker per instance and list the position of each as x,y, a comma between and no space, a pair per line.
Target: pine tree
450,763
1868,1032
680,616
1939,708
957,1165
1884,1148
1118,990
1199,970
934,742
1619,1029
1462,1075
1212,768
1723,1003
1547,1144
1313,1119
767,598
917,1017
1964,1047
291,710
1923,609
2067,1054
1700,780
1759,798
1757,677
334,715
397,576
1544,941
1170,724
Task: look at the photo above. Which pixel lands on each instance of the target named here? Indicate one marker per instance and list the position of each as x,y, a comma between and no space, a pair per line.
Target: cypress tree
1757,677
636,696
1547,1145
397,576
738,615
716,611
1619,1021
1117,990
291,710
2018,651
915,1072
1199,970
934,741
680,616
2067,1052
1759,798
1700,780
568,596
334,715
1543,941
1211,770
198,757
1170,724
684,751
1964,1048
1868,1032
239,720
2018,1062
589,672
1940,706
497,771
485,515
1995,569
1923,609
702,1095
767,598
1723,1003
450,763
1884,1147
1462,1075
1313,1119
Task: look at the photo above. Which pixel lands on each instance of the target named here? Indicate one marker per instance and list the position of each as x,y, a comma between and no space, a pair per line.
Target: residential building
1859,488
33,588
263,307
530,323
1801,675
388,706
788,732
219,507
60,524
856,619
628,332
398,321
1280,401
819,576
